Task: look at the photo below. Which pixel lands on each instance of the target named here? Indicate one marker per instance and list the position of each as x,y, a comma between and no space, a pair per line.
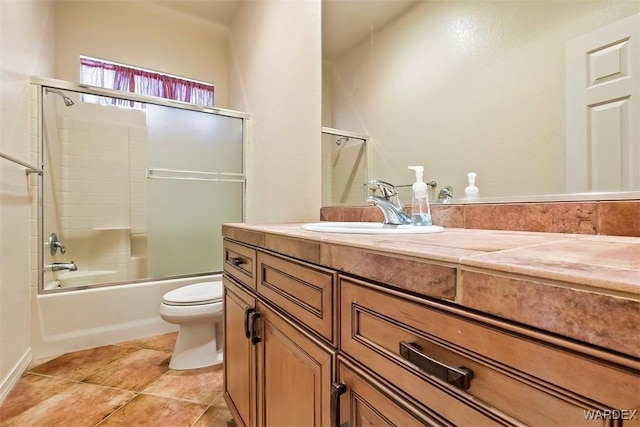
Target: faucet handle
55,244
388,190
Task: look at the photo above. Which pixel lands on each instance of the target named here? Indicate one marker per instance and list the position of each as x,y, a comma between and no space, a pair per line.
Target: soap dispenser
471,191
420,211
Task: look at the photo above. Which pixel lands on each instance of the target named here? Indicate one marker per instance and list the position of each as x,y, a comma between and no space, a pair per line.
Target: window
111,75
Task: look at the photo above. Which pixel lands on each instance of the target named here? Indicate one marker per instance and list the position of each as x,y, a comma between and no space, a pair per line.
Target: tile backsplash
613,218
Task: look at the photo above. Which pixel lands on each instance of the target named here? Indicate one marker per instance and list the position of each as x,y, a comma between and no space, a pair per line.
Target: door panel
603,107
239,355
291,368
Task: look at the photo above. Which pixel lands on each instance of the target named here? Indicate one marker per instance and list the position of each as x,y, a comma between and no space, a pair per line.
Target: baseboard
10,381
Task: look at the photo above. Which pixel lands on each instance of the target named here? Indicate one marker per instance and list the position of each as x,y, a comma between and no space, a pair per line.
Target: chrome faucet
57,266
445,194
55,244
389,203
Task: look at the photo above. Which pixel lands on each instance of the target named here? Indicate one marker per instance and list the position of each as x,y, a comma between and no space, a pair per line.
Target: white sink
369,228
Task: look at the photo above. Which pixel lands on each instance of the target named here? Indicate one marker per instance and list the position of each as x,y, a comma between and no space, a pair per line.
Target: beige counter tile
600,319
542,217
411,274
605,262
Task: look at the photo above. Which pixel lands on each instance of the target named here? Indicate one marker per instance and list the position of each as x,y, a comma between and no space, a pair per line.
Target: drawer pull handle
236,261
337,389
255,339
247,312
460,377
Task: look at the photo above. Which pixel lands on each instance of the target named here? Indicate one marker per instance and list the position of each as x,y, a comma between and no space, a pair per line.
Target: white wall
468,86
26,48
276,77
145,35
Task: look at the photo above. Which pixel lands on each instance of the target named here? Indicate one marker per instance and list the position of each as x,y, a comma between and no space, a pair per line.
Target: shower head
344,139
67,101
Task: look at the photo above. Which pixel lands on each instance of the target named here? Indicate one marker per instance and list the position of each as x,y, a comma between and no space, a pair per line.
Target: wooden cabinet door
294,374
364,404
239,354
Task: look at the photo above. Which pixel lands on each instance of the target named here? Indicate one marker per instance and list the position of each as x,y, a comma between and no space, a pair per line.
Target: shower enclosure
345,170
133,193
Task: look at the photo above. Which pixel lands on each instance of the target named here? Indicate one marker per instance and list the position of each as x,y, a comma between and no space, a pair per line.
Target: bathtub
70,279
74,320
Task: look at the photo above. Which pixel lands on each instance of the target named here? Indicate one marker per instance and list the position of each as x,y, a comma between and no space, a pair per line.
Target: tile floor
126,384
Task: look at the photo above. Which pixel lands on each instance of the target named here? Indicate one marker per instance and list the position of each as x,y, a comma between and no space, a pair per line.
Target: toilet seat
196,294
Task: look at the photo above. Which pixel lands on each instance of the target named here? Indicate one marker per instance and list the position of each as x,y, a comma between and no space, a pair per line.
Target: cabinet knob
236,261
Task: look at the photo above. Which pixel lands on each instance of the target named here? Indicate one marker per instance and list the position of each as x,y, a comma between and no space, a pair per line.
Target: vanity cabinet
309,345
476,370
278,370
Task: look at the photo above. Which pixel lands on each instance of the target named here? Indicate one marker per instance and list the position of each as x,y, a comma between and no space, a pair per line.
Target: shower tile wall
95,188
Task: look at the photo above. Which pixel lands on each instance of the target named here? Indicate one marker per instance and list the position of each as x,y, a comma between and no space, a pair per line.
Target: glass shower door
195,183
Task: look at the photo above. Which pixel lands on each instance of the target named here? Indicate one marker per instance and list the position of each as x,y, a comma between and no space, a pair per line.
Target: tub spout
57,266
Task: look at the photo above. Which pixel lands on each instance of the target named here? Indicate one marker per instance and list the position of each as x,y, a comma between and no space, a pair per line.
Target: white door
603,109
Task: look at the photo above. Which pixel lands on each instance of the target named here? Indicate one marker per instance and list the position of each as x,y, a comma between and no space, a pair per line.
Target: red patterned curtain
128,79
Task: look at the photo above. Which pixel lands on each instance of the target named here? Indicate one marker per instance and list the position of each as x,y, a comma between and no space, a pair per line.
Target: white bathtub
74,320
70,279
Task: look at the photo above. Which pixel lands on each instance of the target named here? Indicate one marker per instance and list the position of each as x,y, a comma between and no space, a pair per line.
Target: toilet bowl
197,309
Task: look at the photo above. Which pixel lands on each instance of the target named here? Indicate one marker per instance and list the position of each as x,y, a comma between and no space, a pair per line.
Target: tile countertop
579,286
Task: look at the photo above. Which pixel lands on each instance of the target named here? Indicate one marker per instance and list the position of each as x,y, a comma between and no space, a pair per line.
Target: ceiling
344,22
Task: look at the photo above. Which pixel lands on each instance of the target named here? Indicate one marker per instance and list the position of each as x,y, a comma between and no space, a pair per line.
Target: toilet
197,309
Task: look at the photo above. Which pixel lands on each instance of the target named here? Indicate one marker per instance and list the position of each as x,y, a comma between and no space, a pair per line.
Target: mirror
344,167
463,86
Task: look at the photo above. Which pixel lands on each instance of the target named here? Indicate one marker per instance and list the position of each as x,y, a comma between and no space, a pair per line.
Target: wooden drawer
515,378
366,402
306,292
240,262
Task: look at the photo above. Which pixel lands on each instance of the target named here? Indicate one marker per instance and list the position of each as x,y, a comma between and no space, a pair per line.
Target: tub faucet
57,266
389,203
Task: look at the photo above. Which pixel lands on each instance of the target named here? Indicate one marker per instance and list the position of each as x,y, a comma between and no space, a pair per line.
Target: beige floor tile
154,411
120,385
134,371
80,364
164,342
159,342
219,401
202,385
79,405
31,390
215,417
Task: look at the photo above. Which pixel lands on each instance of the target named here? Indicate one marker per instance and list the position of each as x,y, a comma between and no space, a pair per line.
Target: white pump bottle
471,191
420,210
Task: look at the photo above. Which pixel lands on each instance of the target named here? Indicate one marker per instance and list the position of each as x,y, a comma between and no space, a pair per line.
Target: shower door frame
40,83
